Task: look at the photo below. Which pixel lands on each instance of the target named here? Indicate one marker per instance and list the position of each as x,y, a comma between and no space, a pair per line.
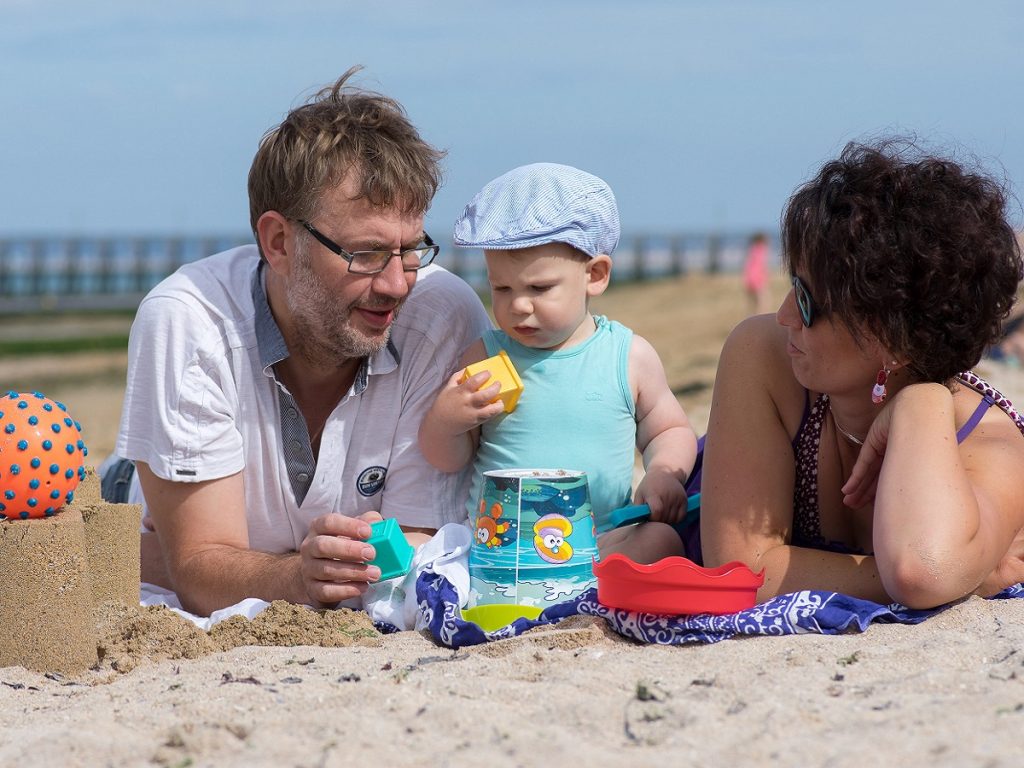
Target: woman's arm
747,486
945,515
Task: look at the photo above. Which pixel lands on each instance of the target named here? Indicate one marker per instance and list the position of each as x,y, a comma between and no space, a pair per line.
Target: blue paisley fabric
806,612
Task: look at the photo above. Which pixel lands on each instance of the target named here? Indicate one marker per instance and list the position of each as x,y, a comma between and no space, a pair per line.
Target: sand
297,687
949,692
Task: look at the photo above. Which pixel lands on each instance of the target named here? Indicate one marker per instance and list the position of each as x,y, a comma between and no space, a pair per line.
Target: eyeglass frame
350,256
805,303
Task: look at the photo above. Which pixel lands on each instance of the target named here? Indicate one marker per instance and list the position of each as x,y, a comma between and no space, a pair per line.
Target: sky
142,118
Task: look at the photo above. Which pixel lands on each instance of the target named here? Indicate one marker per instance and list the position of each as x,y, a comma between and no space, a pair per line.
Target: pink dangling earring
878,391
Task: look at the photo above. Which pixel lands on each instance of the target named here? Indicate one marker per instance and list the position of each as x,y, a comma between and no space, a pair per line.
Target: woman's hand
859,489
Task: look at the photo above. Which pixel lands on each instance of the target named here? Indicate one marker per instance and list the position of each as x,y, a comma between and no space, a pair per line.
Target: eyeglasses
372,262
804,302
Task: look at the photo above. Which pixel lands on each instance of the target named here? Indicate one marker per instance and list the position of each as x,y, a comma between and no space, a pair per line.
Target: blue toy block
394,553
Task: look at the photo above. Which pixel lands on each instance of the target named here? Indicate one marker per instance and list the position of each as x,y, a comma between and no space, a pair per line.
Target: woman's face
825,356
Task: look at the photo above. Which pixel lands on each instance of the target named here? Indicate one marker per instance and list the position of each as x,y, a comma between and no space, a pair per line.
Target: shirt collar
273,349
268,336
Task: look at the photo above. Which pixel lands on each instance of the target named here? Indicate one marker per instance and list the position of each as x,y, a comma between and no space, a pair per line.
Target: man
275,391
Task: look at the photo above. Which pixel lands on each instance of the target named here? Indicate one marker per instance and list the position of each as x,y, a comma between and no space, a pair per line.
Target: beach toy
641,513
533,544
41,456
394,552
675,585
501,369
498,615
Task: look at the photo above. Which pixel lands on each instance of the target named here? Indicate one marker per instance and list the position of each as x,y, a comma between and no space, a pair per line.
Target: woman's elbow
922,581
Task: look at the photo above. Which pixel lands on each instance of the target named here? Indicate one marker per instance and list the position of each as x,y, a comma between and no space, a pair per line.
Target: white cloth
199,404
447,554
150,594
393,601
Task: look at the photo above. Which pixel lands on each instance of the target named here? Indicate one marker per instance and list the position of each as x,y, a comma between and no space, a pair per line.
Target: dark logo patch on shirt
371,480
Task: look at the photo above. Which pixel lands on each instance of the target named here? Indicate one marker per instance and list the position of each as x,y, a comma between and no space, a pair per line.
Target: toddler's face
539,295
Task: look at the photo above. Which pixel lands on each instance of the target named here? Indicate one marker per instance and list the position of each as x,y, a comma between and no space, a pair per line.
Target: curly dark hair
914,249
341,129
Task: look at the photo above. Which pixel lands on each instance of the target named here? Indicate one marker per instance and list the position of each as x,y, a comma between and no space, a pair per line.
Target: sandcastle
56,573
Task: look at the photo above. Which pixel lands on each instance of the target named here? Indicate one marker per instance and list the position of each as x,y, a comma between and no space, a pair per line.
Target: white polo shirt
202,402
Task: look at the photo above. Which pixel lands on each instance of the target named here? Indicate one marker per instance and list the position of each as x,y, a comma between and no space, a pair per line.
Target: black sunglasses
804,302
372,262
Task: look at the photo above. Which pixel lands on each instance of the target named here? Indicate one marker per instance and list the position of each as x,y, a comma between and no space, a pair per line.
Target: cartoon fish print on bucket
545,550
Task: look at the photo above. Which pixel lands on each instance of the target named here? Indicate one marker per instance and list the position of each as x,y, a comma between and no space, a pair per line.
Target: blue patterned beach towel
806,612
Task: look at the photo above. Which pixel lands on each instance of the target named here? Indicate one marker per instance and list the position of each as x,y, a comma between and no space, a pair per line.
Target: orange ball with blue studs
41,456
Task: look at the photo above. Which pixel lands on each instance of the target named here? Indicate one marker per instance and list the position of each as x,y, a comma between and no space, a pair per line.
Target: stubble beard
324,332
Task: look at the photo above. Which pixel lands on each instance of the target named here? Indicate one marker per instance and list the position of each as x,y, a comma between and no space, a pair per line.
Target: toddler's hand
664,494
460,407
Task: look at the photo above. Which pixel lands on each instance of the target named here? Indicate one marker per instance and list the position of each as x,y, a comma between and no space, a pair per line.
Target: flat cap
538,204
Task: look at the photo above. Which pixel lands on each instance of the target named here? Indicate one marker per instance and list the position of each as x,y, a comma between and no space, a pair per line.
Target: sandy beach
297,688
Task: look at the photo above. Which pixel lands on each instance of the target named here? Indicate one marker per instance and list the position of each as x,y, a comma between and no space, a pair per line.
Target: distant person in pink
755,274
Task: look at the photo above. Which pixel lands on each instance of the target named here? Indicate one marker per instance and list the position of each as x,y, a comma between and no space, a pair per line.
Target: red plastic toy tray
675,586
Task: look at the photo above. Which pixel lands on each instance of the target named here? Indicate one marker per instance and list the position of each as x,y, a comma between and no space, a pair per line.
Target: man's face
338,315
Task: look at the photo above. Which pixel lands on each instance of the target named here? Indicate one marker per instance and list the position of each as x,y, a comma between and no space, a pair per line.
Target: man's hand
334,557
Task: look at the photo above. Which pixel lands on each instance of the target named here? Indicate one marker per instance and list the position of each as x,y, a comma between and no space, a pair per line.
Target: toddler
593,391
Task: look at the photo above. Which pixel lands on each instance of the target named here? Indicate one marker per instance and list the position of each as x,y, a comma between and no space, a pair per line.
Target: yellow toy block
501,369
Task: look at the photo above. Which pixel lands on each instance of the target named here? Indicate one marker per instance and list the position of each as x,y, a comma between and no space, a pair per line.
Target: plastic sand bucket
534,541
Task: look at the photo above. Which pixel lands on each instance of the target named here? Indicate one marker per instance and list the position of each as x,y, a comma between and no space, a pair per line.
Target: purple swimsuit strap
989,392
987,401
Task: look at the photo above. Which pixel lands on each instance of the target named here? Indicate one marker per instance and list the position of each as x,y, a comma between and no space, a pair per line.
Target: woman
844,451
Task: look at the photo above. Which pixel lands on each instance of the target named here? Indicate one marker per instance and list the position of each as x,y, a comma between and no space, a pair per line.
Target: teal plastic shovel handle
639,513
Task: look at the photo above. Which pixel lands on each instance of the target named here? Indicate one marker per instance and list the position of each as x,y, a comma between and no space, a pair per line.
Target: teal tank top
576,412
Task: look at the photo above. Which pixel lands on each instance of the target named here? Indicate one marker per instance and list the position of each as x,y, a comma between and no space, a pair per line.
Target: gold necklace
848,435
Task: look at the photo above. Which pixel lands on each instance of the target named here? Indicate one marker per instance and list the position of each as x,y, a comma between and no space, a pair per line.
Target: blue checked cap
539,204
